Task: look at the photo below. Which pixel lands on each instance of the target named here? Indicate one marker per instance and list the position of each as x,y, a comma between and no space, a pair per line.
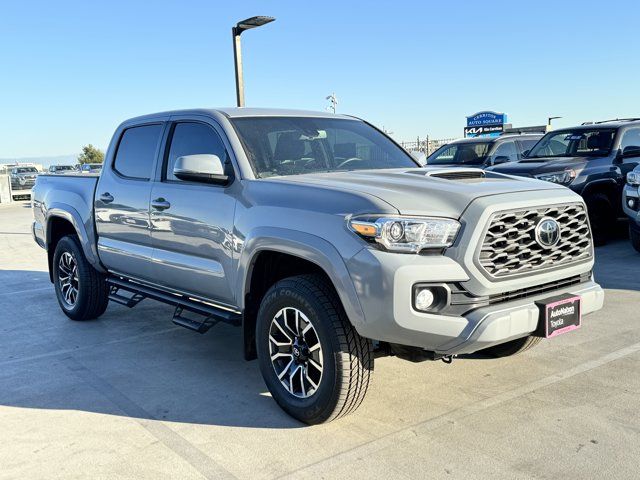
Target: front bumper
630,192
384,283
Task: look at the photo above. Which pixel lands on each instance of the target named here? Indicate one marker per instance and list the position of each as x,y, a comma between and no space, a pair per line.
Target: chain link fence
426,146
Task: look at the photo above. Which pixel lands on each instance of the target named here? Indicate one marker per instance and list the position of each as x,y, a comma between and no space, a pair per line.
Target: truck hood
537,166
420,191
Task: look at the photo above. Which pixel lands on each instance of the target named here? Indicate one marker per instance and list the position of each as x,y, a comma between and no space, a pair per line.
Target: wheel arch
607,186
66,221
271,254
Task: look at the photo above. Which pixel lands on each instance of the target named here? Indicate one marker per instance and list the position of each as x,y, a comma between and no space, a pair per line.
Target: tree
90,154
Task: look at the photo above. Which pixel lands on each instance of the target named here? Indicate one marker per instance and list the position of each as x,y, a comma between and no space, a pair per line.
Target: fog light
631,202
424,298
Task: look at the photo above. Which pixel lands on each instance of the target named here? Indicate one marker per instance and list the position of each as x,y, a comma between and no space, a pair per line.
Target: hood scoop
457,173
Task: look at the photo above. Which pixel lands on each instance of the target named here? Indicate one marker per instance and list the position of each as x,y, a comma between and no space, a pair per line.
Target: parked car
90,168
631,205
592,160
323,239
23,178
56,169
483,151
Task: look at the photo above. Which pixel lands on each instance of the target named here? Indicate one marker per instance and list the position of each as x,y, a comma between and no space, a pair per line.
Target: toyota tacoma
323,240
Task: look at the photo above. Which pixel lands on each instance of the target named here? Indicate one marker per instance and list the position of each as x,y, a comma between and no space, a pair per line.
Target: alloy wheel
296,352
68,278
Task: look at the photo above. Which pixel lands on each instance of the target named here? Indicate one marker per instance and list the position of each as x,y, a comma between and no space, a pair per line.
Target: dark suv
483,151
592,160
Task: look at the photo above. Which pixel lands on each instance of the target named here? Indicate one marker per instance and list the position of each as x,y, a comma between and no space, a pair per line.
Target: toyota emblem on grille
547,232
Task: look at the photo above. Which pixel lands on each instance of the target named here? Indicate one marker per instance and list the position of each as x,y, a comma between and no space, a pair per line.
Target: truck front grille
510,246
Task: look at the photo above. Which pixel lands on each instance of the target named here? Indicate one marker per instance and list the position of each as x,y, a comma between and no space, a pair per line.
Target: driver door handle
160,204
106,197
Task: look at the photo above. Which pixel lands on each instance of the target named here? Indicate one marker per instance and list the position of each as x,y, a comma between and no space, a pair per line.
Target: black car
592,160
483,151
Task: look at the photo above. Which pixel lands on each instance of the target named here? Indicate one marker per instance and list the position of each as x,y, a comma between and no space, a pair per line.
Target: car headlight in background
563,178
406,234
633,179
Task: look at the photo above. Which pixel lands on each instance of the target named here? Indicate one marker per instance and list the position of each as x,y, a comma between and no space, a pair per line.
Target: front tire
514,347
602,217
313,361
82,291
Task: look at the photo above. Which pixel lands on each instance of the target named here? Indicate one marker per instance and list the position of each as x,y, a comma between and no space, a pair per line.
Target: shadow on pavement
618,266
131,362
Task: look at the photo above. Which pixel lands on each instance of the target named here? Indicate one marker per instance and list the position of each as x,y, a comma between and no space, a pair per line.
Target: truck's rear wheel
514,347
634,236
314,363
82,291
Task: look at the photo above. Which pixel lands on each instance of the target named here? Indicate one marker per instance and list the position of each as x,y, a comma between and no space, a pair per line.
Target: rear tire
634,235
313,361
82,291
514,347
602,217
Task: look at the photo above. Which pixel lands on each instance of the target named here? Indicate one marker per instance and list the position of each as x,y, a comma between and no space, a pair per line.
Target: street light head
252,22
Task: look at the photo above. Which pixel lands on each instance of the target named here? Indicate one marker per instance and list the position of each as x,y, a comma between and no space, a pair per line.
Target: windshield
65,167
467,153
297,145
27,170
574,143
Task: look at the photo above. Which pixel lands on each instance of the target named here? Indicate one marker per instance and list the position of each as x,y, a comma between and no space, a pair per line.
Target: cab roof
239,112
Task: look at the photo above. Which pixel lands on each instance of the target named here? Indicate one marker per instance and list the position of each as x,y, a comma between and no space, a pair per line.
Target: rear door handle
160,204
106,197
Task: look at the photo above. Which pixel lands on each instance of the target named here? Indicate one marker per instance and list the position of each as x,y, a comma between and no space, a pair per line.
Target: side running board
138,292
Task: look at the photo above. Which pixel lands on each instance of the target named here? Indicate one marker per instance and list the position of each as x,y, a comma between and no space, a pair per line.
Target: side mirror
525,153
631,151
200,168
500,159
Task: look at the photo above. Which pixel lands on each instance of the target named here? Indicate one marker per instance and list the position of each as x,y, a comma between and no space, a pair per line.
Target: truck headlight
633,179
406,234
563,178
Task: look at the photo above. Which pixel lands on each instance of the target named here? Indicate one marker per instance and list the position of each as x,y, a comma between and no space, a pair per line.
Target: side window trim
155,156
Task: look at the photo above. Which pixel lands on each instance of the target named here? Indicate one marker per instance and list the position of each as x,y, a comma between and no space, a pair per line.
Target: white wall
5,189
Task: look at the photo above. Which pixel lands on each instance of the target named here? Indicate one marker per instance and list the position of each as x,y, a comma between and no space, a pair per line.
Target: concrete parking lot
132,396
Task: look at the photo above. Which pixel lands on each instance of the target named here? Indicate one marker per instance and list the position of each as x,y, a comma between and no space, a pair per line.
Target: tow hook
448,359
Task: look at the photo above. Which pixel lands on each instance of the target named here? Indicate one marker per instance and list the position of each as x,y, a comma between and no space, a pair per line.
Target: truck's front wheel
314,363
82,291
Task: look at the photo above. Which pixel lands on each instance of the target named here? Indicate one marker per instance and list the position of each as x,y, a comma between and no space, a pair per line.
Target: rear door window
137,151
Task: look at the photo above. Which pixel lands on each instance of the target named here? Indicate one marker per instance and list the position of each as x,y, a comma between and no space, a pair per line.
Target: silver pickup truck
323,240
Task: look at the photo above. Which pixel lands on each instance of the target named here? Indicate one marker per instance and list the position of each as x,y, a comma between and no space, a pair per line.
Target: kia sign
483,131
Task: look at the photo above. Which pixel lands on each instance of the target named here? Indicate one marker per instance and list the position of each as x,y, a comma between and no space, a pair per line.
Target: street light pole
236,31
549,119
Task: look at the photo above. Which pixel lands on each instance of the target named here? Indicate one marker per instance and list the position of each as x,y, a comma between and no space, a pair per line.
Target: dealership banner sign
485,124
483,131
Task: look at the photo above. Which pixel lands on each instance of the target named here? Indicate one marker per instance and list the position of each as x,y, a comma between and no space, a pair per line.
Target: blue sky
71,71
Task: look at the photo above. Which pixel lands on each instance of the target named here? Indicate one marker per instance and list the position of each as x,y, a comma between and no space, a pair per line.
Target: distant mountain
46,162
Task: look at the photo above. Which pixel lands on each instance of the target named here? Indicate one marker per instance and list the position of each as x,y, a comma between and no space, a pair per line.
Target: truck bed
71,193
